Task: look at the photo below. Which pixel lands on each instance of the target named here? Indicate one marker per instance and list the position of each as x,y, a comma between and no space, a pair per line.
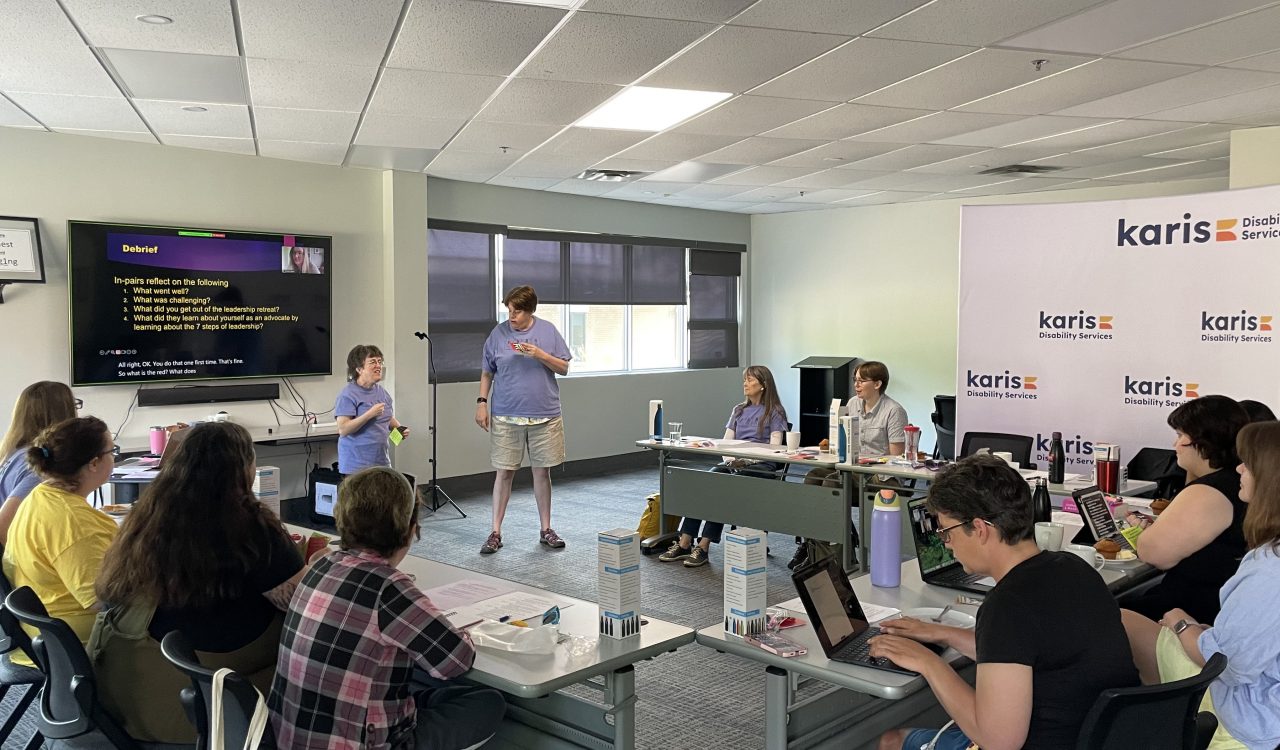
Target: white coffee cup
1049,535
1086,553
793,441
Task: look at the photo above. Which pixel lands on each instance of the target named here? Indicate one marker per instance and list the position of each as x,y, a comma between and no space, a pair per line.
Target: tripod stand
438,496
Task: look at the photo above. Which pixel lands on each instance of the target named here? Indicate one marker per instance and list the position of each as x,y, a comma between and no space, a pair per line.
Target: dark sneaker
550,538
697,558
674,552
799,558
492,544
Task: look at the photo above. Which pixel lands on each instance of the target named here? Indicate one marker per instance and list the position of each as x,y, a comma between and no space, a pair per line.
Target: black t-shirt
1053,613
235,623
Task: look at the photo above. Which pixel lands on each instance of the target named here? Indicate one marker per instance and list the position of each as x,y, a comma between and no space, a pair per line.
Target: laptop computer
837,617
937,565
1097,517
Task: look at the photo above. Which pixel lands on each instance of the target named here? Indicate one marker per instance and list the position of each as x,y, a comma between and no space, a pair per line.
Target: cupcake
1107,549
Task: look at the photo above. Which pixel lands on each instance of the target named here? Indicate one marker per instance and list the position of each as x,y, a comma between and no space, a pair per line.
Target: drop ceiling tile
463,36
760,150
712,192
562,167
527,183
1212,150
976,22
1079,184
450,161
1083,83
309,85
935,127
389,157
424,93
538,102
859,67
315,126
12,117
883,197
199,27
1101,135
1114,167
968,164
405,132
693,171
1237,107
835,153
912,156
1191,136
765,194
244,146
318,153
635,165
591,144
736,58
889,180
1270,62
646,190
45,54
581,187
827,196
1187,171
1023,130
983,73
678,146
115,135
751,115
178,77
947,182
219,120
347,33
829,16
59,112
599,48
1224,41
480,136
781,208
1116,25
729,206
1003,187
830,178
1210,83
709,11
762,175
844,121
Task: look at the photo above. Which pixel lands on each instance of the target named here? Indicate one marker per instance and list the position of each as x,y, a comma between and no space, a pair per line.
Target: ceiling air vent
1020,169
611,175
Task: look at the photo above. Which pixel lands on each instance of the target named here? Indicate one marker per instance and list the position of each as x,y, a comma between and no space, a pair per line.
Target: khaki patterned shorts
508,443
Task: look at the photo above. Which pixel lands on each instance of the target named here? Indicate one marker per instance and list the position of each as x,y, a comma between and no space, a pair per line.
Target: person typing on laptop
1048,638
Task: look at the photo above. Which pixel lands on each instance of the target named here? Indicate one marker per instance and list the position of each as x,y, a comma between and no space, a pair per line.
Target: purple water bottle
886,540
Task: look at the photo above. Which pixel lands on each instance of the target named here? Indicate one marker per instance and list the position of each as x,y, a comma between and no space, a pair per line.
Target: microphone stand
438,496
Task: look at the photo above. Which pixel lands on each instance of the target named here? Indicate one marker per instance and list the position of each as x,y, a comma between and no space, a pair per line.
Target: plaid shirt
355,630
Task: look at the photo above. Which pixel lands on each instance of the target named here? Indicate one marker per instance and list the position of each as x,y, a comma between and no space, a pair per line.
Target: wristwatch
1180,626
482,400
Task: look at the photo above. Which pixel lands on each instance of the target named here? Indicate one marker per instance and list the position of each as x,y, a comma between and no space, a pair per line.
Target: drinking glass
674,430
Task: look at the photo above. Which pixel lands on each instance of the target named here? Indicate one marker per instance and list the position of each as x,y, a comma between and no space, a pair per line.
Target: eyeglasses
945,534
374,361
79,404
862,380
114,450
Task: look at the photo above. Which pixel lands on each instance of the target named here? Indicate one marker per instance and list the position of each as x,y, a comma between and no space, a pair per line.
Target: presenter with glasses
364,413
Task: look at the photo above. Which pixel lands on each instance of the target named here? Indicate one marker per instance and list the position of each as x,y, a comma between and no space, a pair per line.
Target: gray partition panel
807,510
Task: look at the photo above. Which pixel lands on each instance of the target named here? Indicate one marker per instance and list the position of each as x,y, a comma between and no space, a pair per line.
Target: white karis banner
1098,319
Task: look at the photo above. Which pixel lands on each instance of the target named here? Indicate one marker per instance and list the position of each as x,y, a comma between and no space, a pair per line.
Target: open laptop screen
831,604
933,554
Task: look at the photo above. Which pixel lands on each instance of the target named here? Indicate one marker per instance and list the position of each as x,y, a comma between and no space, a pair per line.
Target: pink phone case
775,644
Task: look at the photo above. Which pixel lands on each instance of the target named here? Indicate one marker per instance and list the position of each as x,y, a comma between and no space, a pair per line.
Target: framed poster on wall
21,259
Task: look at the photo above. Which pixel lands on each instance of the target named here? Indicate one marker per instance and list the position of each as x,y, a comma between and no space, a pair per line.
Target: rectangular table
538,713
789,506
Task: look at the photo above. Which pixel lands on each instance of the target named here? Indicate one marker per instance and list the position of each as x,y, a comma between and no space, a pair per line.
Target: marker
504,618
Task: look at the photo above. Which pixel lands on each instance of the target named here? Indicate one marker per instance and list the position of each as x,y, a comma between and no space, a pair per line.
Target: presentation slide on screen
172,304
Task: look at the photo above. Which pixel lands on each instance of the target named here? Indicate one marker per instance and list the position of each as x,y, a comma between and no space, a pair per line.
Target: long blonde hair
769,399
1259,447
40,405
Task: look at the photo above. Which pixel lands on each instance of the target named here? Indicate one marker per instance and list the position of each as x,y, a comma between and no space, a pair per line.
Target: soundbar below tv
152,304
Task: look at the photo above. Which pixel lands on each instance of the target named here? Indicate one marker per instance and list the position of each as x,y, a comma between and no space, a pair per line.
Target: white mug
793,441
1049,536
1086,553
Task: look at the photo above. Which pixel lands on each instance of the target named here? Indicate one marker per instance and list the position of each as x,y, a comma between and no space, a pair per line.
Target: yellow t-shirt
56,545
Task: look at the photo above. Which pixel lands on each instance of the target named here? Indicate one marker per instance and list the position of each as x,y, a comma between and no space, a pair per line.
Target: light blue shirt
523,386
16,476
366,446
746,423
1247,695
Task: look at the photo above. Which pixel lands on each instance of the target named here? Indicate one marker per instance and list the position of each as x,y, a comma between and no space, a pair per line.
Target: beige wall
1255,157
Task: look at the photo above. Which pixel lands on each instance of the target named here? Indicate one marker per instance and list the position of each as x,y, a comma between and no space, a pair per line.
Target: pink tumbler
159,436
913,441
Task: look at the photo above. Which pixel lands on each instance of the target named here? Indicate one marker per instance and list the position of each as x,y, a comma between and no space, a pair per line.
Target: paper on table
516,605
874,612
464,592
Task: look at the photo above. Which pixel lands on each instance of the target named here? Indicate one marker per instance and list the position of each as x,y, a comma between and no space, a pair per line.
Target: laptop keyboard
858,650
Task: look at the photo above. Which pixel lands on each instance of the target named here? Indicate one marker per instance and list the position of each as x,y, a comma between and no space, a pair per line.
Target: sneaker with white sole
674,552
697,558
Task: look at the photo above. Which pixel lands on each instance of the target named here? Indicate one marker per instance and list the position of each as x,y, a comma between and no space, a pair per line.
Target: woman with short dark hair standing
364,412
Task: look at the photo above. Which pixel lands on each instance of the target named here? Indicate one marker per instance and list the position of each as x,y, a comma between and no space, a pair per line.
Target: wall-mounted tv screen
180,303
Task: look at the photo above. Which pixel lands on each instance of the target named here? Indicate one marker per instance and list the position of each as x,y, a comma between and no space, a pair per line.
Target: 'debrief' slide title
140,248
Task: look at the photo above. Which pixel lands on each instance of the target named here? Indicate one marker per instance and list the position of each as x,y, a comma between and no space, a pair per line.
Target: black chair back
1019,445
12,636
1159,465
240,697
69,699
944,424
1163,716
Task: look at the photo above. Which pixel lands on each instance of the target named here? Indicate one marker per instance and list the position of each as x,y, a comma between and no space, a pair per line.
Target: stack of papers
465,603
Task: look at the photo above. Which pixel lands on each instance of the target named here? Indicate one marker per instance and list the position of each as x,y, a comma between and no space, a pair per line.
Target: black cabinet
822,379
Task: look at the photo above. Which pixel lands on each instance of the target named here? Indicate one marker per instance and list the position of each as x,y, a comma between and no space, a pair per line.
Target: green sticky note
396,437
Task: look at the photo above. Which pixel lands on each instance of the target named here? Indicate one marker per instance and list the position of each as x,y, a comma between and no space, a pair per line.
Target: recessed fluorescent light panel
650,109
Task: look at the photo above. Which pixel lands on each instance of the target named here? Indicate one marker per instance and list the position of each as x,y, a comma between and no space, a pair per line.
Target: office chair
1159,465
240,697
1165,716
944,424
69,704
14,638
1019,445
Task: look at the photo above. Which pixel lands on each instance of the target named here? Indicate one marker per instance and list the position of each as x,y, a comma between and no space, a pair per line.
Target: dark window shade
534,263
597,274
713,298
713,345
715,263
459,350
459,273
657,275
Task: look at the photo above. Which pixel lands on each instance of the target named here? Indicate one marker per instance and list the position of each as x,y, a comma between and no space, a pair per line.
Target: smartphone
776,644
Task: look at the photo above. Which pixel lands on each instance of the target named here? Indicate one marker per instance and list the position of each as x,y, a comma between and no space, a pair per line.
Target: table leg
777,694
620,687
864,532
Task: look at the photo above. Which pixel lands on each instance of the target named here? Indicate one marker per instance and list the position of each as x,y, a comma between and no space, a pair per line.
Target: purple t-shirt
745,423
16,476
366,446
523,386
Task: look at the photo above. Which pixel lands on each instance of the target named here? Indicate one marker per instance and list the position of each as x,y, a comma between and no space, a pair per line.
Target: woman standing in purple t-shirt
759,419
364,413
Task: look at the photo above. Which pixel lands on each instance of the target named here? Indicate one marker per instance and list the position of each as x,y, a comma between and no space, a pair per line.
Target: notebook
1097,517
837,617
937,565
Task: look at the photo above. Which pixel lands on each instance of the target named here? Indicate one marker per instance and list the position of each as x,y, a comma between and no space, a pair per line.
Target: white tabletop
756,451
905,471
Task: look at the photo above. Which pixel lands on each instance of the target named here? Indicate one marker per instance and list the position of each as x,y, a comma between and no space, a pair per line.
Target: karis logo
1245,328
1079,450
1189,231
1000,385
1075,326
1164,393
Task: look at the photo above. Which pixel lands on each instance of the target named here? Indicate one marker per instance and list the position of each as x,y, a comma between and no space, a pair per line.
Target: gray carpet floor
694,697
